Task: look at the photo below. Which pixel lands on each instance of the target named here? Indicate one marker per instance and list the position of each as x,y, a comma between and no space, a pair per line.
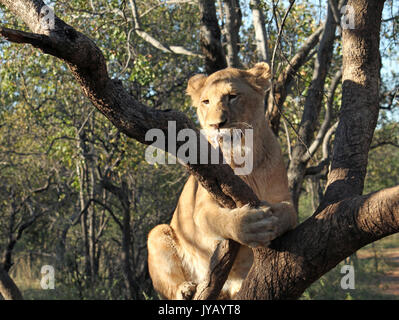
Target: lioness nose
219,124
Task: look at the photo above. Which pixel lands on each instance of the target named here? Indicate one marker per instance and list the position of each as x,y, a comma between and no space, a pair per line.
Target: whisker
247,125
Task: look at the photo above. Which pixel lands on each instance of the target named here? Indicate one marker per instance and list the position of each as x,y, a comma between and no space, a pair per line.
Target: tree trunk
81,168
122,193
210,37
232,28
360,102
131,287
258,21
8,288
6,262
91,192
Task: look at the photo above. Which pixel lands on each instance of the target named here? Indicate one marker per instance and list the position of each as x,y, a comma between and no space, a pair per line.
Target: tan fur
179,253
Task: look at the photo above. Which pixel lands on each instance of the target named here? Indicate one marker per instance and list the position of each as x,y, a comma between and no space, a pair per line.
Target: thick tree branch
221,260
298,258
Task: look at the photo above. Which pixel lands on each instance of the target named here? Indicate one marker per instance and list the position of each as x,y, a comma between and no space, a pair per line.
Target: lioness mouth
232,143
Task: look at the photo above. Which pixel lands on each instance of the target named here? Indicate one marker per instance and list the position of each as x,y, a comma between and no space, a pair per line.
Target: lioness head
230,98
229,102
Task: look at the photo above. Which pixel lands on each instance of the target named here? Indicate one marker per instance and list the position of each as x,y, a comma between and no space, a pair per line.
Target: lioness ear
194,87
261,75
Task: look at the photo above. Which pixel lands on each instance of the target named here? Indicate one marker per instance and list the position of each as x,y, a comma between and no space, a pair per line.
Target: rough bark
360,102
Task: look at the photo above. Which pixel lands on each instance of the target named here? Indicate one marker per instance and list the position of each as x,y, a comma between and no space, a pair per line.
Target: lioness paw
186,291
254,227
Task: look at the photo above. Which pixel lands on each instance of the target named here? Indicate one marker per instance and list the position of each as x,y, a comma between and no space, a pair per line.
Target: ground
376,277
389,281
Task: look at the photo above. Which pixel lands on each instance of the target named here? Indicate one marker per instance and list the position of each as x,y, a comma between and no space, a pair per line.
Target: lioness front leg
257,227
253,227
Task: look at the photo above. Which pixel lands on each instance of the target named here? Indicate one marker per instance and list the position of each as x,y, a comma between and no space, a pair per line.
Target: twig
279,35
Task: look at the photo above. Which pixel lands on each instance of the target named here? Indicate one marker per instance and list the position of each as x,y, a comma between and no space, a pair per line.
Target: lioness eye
205,101
232,97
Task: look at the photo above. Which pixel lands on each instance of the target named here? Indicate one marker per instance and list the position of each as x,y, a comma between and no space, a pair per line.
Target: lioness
179,253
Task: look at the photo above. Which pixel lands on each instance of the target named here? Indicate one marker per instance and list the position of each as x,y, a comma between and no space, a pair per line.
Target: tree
8,289
342,222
